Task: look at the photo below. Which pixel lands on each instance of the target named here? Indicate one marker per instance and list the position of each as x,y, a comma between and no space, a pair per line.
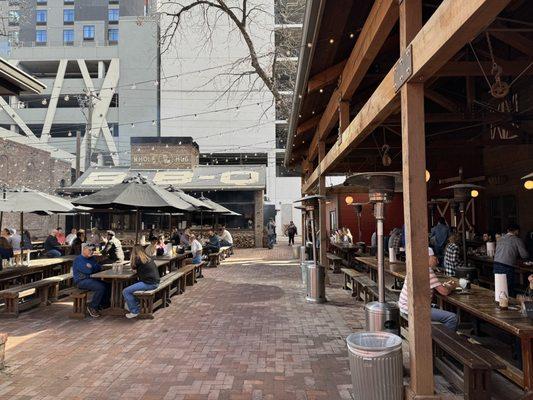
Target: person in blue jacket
83,267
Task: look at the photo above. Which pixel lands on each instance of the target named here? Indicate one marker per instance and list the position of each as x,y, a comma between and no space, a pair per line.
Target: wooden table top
480,303
396,269
126,273
345,246
490,260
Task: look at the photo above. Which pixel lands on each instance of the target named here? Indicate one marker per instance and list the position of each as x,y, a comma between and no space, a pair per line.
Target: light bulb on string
69,133
67,97
44,102
528,185
156,83
133,87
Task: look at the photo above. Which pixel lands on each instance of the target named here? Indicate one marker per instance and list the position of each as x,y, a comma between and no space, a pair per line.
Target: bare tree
264,66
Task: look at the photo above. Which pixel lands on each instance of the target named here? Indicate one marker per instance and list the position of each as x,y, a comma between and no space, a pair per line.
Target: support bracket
403,69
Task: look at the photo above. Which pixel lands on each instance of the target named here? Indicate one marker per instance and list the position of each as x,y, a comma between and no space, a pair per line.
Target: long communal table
38,269
346,251
485,267
479,303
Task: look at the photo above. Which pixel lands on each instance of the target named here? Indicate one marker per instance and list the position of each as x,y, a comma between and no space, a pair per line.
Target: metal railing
90,43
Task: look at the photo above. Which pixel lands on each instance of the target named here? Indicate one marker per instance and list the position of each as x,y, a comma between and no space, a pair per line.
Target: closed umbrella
135,193
24,201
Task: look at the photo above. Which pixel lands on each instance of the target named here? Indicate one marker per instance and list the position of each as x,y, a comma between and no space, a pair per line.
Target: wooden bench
365,288
79,303
389,296
349,276
23,297
478,363
214,259
335,262
150,300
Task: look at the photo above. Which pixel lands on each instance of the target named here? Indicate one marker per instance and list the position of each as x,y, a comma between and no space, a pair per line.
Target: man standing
291,232
113,248
508,249
439,236
447,318
271,232
83,267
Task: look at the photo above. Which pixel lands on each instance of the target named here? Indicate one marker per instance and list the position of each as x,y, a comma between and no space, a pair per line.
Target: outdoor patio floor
243,332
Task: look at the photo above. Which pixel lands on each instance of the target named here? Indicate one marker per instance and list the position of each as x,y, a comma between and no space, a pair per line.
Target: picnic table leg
117,301
527,362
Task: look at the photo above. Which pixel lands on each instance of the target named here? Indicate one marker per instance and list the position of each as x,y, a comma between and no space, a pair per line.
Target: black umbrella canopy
199,204
135,193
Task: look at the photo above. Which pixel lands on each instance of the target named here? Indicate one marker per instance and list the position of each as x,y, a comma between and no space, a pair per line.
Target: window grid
88,32
68,16
41,36
68,36
112,35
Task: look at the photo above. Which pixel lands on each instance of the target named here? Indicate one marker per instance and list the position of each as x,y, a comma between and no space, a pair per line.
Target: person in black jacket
148,276
51,245
291,232
75,248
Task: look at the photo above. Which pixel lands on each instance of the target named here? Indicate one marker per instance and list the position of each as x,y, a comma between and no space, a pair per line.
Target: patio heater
461,193
316,273
380,315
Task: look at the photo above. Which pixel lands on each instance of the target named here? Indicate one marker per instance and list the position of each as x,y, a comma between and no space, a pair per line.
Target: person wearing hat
83,267
447,318
113,248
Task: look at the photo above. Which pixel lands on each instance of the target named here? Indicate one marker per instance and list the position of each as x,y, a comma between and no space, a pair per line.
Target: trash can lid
373,341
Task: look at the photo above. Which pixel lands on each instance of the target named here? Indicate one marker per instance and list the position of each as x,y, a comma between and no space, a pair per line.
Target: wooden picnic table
485,266
479,303
43,267
346,251
119,280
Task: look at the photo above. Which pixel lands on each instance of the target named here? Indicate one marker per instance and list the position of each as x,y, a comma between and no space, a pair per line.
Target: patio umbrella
135,193
31,201
199,204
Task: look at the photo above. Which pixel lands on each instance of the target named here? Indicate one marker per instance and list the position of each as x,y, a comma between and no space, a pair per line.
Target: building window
13,17
68,16
41,17
41,2
88,32
113,15
41,37
112,35
68,37
68,2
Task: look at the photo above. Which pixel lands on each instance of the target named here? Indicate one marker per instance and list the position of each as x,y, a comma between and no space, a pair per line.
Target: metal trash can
376,365
382,317
304,265
296,252
316,285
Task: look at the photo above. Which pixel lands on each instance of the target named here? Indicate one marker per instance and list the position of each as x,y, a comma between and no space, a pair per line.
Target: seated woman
196,249
452,255
148,276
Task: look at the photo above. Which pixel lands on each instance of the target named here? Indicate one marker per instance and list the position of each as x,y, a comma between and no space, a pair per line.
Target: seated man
83,267
447,318
52,248
213,242
113,248
226,240
151,249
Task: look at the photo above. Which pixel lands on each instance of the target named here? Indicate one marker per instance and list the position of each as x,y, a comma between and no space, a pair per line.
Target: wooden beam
442,100
515,40
415,215
325,78
450,27
307,125
377,27
471,68
344,116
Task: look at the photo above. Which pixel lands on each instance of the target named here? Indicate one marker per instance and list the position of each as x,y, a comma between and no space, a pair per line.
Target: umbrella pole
201,221
21,237
137,227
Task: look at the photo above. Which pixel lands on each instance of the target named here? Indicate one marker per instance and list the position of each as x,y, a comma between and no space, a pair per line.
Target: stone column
258,220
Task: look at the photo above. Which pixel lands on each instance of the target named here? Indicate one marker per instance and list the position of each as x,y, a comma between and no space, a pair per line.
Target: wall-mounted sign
163,156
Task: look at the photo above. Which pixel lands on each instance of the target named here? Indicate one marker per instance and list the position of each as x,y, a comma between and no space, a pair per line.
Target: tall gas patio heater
316,273
380,315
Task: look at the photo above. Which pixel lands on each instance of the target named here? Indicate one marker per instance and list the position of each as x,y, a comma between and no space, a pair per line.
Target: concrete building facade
78,47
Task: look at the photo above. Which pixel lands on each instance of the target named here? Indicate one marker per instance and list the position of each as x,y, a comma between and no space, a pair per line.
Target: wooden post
415,216
304,226
322,214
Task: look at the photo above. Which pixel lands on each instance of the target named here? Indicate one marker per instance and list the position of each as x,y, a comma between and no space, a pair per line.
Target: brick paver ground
243,332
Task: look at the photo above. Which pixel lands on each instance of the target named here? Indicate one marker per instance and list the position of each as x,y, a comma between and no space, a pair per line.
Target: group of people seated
341,235
142,261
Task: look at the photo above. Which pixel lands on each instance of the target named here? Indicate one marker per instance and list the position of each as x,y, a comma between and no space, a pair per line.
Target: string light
44,102
67,97
331,41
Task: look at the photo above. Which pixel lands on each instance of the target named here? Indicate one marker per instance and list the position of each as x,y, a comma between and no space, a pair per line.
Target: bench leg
53,292
181,285
79,307
477,384
11,307
146,305
189,278
356,290
345,287
43,295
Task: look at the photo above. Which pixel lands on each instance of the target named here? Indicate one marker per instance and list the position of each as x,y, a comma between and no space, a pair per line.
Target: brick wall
23,166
